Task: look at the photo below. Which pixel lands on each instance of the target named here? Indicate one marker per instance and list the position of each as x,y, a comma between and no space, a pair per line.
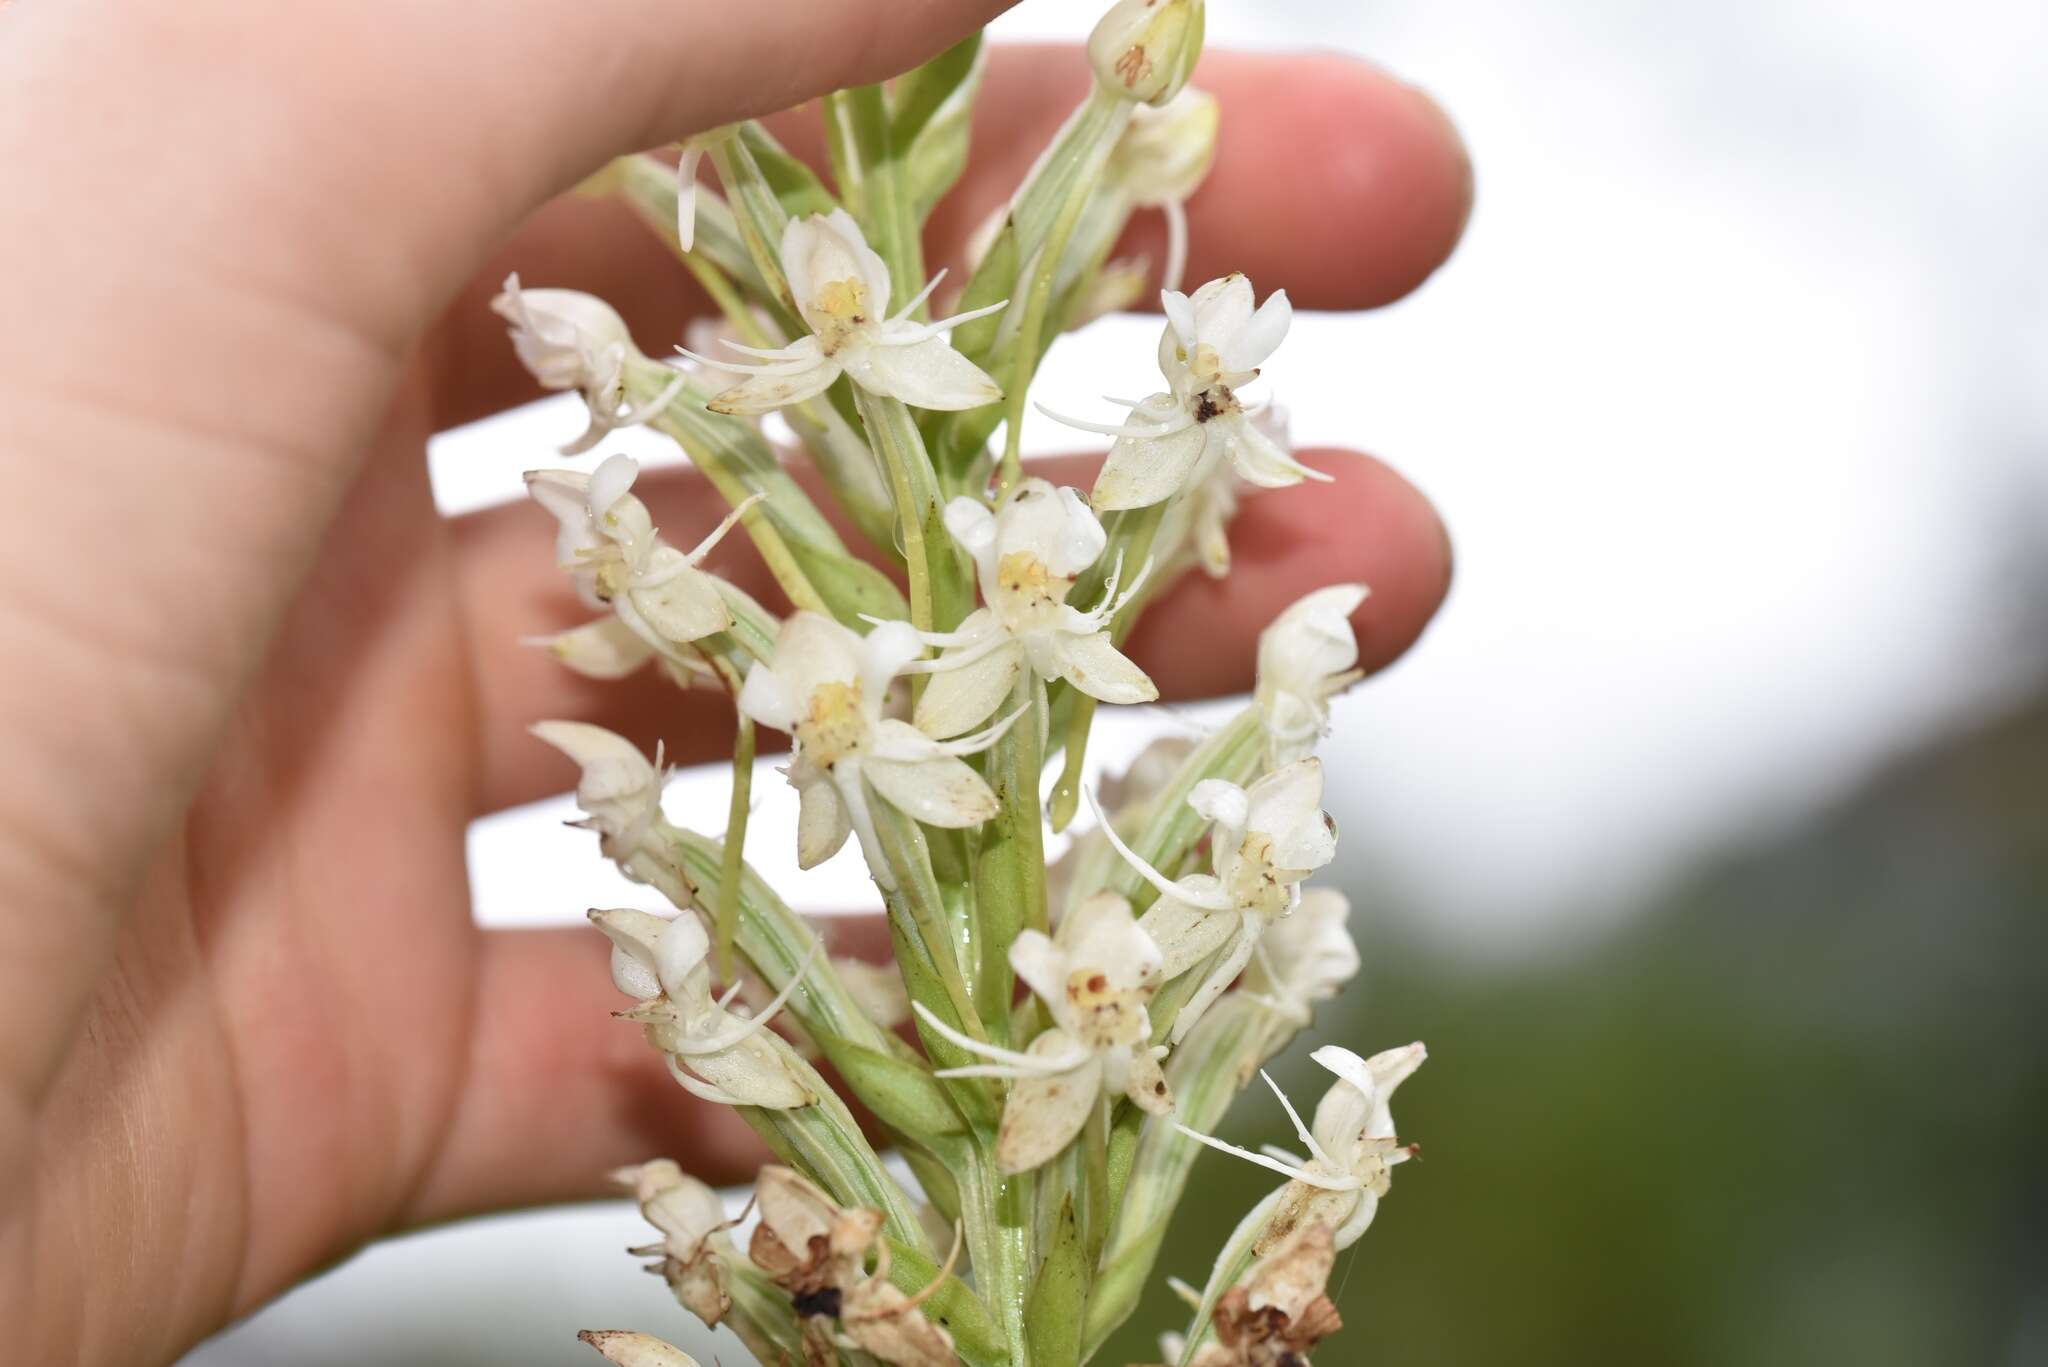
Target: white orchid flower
1162,158
1094,979
1281,1310
1304,957
618,790
1264,841
1306,656
664,964
1213,344
606,542
816,1250
1027,555
825,688
1351,1146
694,1241
842,290
572,340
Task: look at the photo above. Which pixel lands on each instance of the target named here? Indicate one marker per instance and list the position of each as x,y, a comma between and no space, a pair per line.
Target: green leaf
917,96
953,1307
796,187
1057,1308
902,1094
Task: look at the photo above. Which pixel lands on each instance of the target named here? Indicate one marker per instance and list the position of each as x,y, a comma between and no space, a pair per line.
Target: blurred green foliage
1795,1112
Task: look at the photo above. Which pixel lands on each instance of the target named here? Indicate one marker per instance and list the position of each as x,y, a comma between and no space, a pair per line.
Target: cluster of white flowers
1179,950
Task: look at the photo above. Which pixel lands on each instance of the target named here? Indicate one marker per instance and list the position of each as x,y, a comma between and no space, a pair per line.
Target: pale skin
255,685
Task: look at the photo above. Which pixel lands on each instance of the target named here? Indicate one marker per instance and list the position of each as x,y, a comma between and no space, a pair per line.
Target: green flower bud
1144,50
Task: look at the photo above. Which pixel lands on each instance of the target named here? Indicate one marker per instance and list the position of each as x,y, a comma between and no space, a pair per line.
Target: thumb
227,227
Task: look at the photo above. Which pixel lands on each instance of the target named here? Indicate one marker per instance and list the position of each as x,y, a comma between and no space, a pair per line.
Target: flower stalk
926,682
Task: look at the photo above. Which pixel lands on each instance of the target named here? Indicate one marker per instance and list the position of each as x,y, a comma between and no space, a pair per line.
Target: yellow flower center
1105,1015
833,726
1028,586
840,307
1254,882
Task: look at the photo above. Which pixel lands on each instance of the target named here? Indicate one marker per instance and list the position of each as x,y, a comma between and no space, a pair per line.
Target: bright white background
1736,401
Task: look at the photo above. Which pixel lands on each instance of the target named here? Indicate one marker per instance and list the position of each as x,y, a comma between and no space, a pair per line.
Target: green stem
886,214
1038,300
732,862
1010,872
1066,794
940,592
999,1211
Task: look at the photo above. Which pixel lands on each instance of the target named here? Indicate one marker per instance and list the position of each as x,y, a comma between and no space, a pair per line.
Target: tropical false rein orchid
1041,1131
1304,957
1281,1310
618,790
1351,1147
1094,979
1213,344
665,965
1027,555
571,340
693,1228
607,543
1306,656
826,688
842,290
816,1250
1264,841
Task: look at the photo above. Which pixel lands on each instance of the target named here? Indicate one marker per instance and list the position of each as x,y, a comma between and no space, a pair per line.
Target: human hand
257,686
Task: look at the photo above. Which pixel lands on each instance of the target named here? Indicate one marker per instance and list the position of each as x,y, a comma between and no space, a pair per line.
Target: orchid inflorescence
1080,1024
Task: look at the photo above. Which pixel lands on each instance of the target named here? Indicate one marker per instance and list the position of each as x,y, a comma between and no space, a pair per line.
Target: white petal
1260,336
1042,965
685,607
1221,801
1180,320
618,787
1044,1114
824,249
604,649
1222,308
887,647
752,1072
681,949
1145,1083
635,936
610,482
939,792
1101,933
686,195
822,822
974,527
1055,525
1258,459
1094,665
1141,471
928,374
767,391
813,649
958,700
1287,805
1185,935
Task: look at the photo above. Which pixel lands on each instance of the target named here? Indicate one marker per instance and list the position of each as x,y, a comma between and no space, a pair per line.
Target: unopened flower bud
1166,151
1144,49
